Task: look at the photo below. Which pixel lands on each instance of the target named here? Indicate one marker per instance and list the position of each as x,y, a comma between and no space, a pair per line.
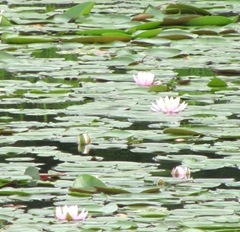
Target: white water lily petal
83,215
145,79
181,172
61,212
70,213
168,105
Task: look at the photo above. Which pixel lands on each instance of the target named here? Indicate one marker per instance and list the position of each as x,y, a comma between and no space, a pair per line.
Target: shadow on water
220,173
111,154
126,155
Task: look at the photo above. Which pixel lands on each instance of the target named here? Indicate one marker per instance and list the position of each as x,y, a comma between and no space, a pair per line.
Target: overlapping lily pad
67,69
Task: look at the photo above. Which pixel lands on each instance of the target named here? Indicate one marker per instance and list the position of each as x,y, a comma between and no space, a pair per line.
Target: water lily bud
84,139
83,149
145,79
181,172
160,182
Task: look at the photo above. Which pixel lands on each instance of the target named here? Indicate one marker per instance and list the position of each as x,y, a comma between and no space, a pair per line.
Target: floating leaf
5,55
111,190
148,33
89,184
179,8
13,192
107,209
5,182
21,39
102,31
33,172
163,52
159,88
144,26
86,183
142,17
180,131
151,190
125,225
4,21
98,39
211,20
176,34
151,10
177,20
217,82
74,12
154,212
201,72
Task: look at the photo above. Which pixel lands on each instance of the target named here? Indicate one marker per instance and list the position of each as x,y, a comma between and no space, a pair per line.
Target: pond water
65,71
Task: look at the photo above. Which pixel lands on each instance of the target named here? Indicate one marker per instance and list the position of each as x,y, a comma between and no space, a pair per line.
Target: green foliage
217,82
178,8
75,12
181,131
210,20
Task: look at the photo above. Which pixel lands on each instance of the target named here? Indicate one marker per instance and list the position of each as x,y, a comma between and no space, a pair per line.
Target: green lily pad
176,8
74,12
181,131
20,39
145,26
89,184
217,82
33,172
211,20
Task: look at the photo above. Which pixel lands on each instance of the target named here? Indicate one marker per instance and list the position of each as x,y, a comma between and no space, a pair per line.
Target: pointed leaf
33,172
151,190
151,10
109,190
145,26
86,183
74,12
101,32
5,21
210,20
20,39
148,33
179,8
217,82
180,131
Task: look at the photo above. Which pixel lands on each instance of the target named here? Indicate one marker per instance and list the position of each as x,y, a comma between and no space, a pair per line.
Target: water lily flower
181,172
84,139
168,105
145,79
70,213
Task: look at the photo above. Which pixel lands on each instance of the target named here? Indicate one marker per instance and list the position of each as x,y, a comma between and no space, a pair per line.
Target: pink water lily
168,105
145,79
70,213
181,172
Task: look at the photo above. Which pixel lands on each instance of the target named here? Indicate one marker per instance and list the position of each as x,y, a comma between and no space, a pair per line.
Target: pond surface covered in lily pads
67,69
